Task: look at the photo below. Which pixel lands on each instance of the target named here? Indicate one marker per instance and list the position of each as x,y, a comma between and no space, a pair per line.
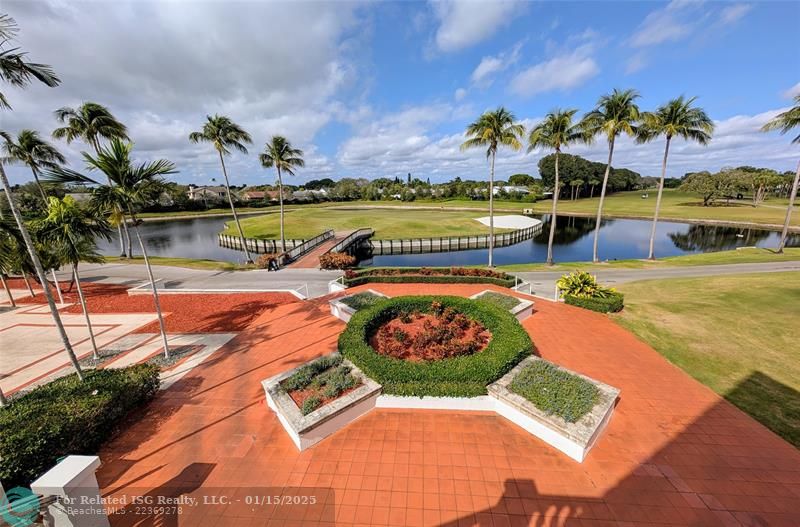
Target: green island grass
307,222
675,205
735,334
188,263
748,255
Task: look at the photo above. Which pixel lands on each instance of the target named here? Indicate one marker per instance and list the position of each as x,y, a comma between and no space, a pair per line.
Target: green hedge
68,416
611,304
427,279
465,376
555,391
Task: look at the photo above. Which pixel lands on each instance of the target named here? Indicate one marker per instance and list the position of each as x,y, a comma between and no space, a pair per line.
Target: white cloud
491,65
459,94
733,13
558,73
287,80
667,24
464,23
636,63
792,92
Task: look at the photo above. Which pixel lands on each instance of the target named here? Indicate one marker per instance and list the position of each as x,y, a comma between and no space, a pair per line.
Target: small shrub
555,391
361,300
69,416
305,375
336,261
433,275
582,284
311,404
263,261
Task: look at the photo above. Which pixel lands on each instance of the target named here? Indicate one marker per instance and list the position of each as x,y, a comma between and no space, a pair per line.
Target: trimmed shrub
464,376
305,375
426,279
609,304
336,261
68,416
555,391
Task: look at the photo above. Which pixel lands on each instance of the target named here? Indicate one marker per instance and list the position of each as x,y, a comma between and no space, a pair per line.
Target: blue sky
382,89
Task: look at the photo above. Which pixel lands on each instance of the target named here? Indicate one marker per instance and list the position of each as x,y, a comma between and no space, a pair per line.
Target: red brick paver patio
675,453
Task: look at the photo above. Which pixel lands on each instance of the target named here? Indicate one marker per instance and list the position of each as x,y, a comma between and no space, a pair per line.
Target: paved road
317,281
544,282
181,278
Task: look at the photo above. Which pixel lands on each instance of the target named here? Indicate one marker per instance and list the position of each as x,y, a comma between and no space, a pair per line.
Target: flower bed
521,309
307,426
442,334
319,382
344,307
336,261
581,289
440,275
565,409
68,416
458,376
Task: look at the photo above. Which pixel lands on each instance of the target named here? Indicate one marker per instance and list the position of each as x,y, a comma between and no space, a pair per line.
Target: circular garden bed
457,348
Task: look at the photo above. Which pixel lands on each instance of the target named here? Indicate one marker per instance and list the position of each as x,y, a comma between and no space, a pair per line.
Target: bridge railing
299,250
351,239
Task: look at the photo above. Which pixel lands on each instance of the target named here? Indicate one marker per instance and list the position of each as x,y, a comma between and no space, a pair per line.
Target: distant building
253,195
205,193
309,195
511,189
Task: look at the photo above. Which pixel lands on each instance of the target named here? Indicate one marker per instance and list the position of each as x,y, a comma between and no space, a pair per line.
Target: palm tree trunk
40,272
280,201
127,237
39,184
96,144
789,208
3,400
8,290
95,353
58,287
233,210
491,212
28,283
651,255
553,219
595,259
161,326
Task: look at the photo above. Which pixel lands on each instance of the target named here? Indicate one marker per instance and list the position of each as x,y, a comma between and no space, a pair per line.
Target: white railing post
73,483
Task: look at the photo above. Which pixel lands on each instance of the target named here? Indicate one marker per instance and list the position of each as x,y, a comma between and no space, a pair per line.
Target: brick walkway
310,260
674,453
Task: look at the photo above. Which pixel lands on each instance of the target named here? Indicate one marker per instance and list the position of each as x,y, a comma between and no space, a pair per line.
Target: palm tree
9,254
576,184
129,187
593,182
555,132
492,130
224,134
616,113
71,232
16,71
675,118
30,149
784,122
90,122
279,153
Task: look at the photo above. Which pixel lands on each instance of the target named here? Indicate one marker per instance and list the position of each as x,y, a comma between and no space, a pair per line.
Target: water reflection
619,239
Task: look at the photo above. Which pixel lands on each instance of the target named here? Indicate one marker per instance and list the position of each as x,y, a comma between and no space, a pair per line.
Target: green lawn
679,206
735,334
749,255
307,222
188,263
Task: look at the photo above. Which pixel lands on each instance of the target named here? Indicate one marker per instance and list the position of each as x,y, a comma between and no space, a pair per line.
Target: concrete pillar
73,482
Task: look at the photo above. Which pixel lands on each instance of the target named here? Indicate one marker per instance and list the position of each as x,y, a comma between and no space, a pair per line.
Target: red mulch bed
190,313
430,337
300,396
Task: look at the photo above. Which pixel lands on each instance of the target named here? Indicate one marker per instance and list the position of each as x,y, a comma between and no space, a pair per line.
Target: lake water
619,239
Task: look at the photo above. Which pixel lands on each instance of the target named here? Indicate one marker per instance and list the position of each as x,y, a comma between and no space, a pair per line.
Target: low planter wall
308,430
342,311
521,311
574,439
